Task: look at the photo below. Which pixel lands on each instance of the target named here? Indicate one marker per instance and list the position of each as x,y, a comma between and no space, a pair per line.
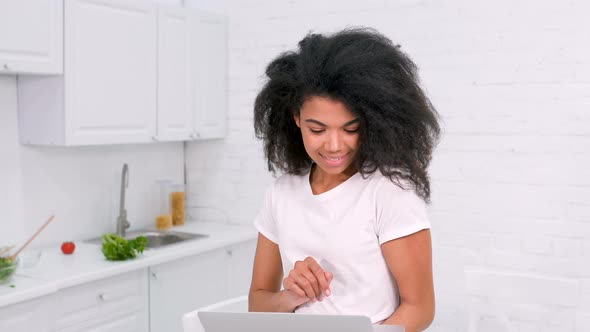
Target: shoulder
288,182
386,188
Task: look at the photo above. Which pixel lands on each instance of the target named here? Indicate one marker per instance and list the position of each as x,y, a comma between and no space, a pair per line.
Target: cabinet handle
6,67
102,297
155,138
154,275
230,252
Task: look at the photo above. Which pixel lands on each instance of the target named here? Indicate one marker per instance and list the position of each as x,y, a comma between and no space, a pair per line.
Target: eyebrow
324,125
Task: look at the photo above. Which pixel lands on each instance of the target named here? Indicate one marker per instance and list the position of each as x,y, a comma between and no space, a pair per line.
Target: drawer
127,323
33,315
103,300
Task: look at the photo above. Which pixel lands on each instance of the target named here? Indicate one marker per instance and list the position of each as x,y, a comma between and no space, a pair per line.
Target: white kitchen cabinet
148,299
31,37
192,75
209,50
118,303
35,315
108,91
133,73
182,285
241,263
175,102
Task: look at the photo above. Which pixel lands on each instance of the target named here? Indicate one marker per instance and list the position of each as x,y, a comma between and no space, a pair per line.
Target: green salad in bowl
7,269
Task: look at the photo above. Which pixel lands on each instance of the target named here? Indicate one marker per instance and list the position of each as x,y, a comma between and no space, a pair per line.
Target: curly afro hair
376,81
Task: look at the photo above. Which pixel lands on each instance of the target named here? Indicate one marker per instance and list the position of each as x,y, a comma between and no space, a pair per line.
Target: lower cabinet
151,299
118,303
186,284
241,263
182,285
35,315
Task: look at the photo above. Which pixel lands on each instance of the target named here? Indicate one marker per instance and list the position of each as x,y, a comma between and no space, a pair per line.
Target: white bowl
29,258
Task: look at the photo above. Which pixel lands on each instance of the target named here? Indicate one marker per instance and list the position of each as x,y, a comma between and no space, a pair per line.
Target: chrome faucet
122,222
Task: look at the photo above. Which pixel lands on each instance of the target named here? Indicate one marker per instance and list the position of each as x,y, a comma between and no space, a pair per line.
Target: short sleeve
400,212
265,222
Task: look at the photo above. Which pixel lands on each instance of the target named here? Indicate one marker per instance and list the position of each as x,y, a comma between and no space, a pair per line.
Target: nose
333,142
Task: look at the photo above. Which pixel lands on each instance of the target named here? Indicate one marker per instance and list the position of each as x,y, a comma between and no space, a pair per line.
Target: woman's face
330,133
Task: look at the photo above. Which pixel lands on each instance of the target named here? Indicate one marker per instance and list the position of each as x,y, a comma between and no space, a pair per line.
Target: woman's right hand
307,281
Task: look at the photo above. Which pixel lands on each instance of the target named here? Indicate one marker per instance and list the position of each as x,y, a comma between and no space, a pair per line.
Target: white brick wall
511,176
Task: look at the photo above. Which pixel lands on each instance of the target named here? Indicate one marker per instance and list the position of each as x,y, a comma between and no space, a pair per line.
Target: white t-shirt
342,229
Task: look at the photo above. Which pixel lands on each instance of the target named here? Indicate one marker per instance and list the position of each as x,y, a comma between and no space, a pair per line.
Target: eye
352,131
316,131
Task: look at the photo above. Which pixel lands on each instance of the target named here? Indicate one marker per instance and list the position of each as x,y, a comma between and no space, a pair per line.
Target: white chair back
190,320
493,293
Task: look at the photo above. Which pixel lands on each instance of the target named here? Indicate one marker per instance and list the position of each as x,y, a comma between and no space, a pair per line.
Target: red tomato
68,247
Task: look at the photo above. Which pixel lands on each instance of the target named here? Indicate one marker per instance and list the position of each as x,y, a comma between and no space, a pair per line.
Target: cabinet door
241,263
175,109
184,285
110,68
209,47
31,36
34,315
118,303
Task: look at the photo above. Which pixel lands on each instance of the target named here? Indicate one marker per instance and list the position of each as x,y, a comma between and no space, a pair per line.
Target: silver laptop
288,322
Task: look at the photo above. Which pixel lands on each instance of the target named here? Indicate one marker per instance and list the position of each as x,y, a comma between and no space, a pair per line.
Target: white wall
511,176
79,184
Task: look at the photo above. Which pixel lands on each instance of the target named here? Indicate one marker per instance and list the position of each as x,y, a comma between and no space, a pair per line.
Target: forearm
267,301
414,318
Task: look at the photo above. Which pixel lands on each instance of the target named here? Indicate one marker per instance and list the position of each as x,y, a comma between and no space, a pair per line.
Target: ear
297,119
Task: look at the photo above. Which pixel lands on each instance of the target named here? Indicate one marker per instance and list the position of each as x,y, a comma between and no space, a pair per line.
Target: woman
344,229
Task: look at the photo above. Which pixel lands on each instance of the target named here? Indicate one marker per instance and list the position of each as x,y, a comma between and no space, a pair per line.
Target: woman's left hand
308,279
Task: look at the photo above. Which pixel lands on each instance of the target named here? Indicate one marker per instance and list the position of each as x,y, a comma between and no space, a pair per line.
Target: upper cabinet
131,75
209,49
110,78
108,91
192,75
31,37
175,103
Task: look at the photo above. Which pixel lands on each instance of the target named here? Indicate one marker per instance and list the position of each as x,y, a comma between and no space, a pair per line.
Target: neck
321,181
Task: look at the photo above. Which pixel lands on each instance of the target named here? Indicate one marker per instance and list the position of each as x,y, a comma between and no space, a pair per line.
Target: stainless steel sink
158,239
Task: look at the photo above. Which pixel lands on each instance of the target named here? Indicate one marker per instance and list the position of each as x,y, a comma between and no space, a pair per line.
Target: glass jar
163,215
178,204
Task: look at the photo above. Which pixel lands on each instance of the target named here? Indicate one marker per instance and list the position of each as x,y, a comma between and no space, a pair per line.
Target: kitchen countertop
25,288
57,271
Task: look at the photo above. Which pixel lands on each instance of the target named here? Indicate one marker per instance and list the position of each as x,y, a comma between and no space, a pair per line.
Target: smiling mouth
334,161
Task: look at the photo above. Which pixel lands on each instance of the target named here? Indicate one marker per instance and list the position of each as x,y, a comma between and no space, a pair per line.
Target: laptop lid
283,322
